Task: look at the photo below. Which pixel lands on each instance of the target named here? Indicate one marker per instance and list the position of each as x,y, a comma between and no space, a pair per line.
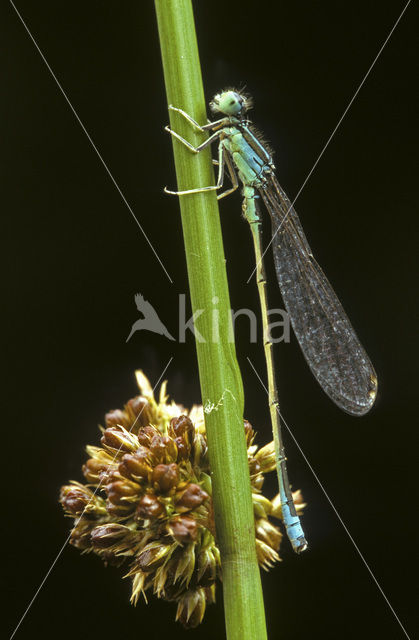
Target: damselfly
327,339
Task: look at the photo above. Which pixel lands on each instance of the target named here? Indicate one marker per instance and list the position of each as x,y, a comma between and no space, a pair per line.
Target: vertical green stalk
221,385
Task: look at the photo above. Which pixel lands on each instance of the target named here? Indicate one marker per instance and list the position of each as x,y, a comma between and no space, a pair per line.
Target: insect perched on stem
326,337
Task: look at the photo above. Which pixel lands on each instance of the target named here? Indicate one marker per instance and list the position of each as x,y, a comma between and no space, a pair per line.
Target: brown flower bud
182,427
183,529
171,449
207,567
199,448
119,510
191,608
119,491
119,439
112,475
152,556
136,465
158,447
107,535
94,468
165,477
183,448
191,498
249,433
149,507
75,499
146,434
138,410
210,594
117,417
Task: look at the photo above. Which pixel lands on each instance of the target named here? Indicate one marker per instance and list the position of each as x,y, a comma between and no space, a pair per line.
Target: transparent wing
327,339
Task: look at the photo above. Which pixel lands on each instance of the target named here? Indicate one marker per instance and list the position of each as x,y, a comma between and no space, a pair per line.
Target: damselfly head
230,103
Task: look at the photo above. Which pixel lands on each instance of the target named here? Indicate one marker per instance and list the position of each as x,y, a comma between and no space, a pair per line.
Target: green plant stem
221,385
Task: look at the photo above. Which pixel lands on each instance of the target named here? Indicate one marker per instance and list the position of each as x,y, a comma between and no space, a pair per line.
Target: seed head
148,502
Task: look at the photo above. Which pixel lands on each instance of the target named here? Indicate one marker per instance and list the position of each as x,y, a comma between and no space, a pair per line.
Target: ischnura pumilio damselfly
327,339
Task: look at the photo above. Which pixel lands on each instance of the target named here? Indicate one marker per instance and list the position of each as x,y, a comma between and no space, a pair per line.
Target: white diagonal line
81,515
331,135
333,507
91,141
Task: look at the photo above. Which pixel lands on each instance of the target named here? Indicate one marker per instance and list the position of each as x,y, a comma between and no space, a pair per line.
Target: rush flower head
147,502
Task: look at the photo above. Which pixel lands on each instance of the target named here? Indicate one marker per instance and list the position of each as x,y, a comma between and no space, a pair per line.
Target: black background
74,258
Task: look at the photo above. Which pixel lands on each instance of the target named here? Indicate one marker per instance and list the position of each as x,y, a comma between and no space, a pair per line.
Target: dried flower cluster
147,502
